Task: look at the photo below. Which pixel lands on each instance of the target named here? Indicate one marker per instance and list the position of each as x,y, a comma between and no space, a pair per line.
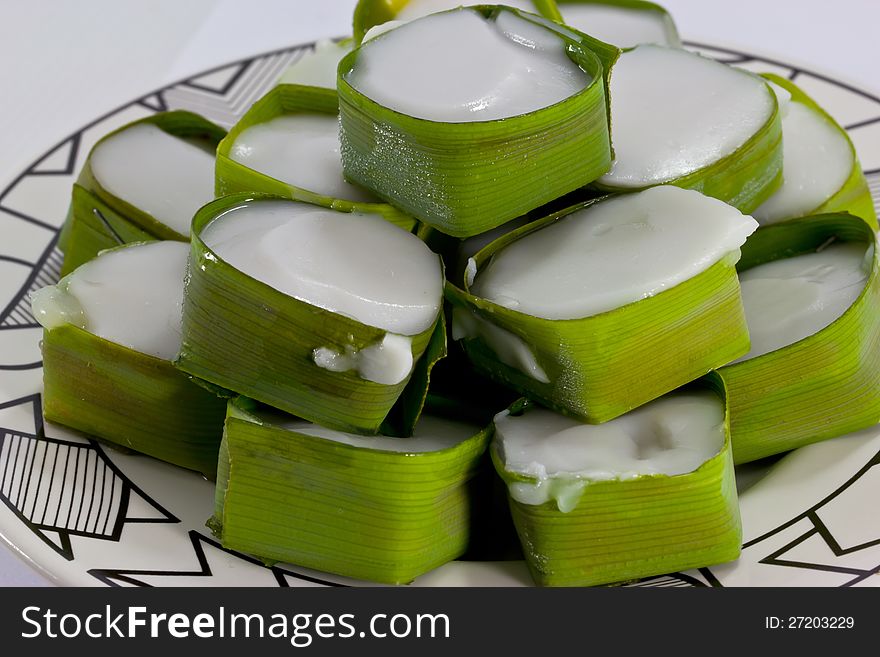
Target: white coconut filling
791,299
817,160
624,27
783,97
388,361
165,176
301,150
431,434
354,264
317,68
672,435
419,8
132,296
674,112
613,253
460,67
508,347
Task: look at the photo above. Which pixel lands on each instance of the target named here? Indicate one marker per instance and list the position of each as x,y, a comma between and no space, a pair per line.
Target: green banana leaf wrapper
467,178
98,220
130,399
370,13
825,385
744,178
247,337
602,366
360,512
854,196
288,99
623,530
552,9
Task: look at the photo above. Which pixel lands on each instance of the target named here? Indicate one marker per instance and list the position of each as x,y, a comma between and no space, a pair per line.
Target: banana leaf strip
93,226
134,400
355,511
823,386
625,529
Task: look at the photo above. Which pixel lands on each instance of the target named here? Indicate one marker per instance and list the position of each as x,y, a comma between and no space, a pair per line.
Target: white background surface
63,64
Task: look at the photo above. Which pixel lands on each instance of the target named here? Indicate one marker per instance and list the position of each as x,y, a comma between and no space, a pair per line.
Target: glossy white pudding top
674,112
613,253
459,67
672,435
132,296
817,160
791,299
158,173
354,264
301,150
625,27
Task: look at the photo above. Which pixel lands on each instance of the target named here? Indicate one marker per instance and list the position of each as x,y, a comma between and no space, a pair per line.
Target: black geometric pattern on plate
853,551
224,94
700,578
16,314
60,161
201,545
64,488
46,271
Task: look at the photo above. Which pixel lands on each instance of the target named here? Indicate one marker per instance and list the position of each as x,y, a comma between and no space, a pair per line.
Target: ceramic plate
84,514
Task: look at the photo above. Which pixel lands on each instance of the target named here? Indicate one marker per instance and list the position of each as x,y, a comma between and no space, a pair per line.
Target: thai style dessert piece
111,332
625,23
287,144
144,181
506,112
577,310
647,493
376,508
679,118
811,297
820,170
300,149
288,303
